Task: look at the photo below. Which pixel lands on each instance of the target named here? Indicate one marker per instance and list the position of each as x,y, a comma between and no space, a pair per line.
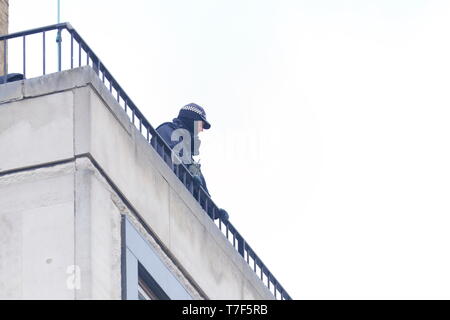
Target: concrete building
89,209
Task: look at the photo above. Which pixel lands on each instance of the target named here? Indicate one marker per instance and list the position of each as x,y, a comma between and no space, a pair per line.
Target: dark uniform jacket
165,130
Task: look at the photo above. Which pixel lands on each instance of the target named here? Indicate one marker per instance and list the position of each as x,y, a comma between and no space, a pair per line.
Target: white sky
329,144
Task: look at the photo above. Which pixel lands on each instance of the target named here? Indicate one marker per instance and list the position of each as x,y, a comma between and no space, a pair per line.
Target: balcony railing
77,53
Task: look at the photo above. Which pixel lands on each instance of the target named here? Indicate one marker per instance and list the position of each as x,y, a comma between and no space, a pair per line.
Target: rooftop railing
71,51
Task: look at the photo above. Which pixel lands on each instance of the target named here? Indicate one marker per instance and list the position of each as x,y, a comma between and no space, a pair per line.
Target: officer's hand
223,215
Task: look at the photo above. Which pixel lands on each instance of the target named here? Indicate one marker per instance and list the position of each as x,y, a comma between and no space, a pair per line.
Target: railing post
43,53
5,59
24,52
58,41
240,242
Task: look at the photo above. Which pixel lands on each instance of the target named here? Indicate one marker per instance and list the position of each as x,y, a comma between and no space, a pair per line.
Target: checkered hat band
193,109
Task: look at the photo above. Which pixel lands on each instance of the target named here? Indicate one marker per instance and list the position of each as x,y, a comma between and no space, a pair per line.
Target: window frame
140,263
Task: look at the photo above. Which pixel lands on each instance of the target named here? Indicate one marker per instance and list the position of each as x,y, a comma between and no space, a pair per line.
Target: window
144,275
144,292
148,288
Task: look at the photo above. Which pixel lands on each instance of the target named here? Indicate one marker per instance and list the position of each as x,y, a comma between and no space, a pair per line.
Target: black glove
223,215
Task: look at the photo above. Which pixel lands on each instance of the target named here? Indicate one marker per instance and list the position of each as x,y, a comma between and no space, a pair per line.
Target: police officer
181,135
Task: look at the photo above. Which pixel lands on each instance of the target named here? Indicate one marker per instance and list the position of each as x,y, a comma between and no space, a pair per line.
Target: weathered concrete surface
36,131
11,91
36,233
145,187
189,239
97,236
100,129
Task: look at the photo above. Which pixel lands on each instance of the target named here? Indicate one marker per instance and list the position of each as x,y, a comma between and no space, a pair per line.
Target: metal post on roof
58,35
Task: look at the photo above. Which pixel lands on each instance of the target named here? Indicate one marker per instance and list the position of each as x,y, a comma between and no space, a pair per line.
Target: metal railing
77,53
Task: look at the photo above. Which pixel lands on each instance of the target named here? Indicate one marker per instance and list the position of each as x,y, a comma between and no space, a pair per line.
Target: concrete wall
4,6
70,117
36,233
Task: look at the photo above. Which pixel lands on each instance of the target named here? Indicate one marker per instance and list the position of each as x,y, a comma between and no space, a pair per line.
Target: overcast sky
329,144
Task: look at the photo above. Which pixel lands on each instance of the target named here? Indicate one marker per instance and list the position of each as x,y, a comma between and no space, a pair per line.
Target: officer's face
199,126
